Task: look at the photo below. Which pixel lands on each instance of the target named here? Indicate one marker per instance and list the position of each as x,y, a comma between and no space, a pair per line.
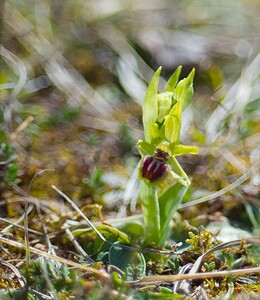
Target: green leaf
253,106
172,82
10,176
104,230
135,229
184,90
127,260
253,214
150,106
169,202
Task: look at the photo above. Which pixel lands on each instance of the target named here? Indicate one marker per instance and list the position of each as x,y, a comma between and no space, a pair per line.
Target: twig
21,127
100,274
79,211
78,247
173,278
14,224
17,273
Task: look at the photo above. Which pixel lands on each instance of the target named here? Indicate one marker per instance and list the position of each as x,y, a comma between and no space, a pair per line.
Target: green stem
151,212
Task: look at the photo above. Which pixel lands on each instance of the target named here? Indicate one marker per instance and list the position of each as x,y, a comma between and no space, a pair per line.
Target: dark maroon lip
154,168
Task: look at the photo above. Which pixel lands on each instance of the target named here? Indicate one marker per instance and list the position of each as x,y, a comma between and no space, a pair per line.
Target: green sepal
183,150
184,90
172,82
177,172
145,148
150,106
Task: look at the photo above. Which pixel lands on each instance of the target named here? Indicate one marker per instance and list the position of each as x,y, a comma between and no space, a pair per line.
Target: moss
201,242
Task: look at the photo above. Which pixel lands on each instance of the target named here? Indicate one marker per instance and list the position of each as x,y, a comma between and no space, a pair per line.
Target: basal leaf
169,202
127,260
105,230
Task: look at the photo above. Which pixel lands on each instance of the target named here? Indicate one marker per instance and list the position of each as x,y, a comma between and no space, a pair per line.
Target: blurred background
73,78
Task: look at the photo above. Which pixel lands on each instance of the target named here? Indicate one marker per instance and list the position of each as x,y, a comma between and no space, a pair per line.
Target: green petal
150,106
173,124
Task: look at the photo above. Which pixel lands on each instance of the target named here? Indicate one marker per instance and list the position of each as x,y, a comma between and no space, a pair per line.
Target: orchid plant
162,117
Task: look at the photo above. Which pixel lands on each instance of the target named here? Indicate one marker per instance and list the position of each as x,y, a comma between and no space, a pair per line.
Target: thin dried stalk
99,273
